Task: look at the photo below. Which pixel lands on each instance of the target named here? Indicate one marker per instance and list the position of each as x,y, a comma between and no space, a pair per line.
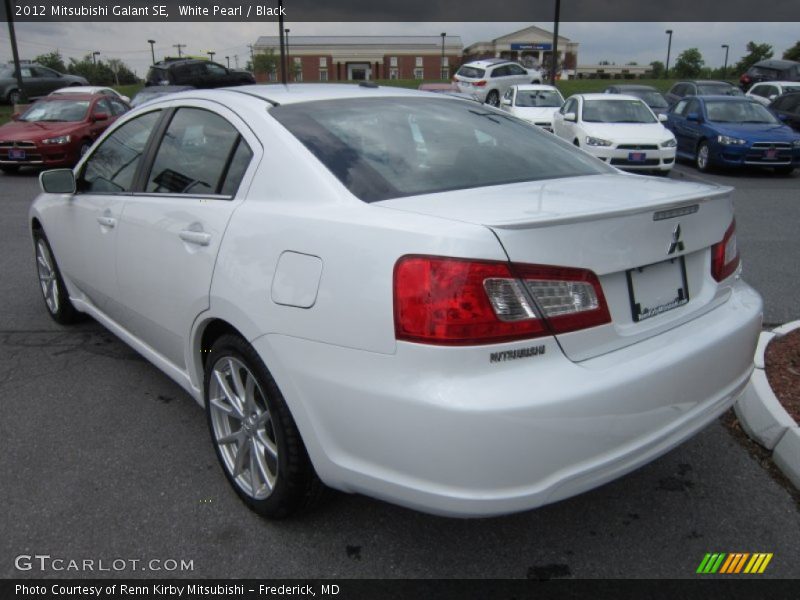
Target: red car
56,131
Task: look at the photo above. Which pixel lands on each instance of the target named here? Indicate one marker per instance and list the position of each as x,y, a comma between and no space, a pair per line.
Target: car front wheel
255,437
493,98
54,292
702,158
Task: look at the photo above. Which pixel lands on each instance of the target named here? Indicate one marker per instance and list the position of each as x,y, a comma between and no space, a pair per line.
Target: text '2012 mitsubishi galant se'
416,298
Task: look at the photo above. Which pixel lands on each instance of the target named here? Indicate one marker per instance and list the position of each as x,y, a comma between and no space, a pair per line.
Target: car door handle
107,221
199,238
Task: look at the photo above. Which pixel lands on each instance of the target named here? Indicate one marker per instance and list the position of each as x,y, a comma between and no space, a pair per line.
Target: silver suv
489,79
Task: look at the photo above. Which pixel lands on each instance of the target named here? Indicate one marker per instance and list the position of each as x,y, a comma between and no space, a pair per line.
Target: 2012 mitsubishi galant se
412,297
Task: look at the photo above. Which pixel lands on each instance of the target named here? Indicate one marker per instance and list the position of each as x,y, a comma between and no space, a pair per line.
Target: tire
702,158
9,169
54,292
785,171
85,145
285,481
493,98
536,82
13,97
576,143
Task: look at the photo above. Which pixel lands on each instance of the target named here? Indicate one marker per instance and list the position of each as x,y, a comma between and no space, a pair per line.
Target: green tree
793,53
52,60
755,53
265,62
657,69
689,63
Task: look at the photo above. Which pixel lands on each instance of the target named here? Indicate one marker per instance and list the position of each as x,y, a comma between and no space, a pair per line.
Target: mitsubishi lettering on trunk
416,298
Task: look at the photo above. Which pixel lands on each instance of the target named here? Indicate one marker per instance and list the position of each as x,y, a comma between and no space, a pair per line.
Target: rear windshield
548,98
472,72
382,148
652,99
616,111
765,72
721,89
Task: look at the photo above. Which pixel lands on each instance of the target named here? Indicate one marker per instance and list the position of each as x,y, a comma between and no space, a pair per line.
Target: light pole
179,46
228,59
288,60
669,47
211,55
725,67
95,54
20,97
280,35
554,61
441,70
152,50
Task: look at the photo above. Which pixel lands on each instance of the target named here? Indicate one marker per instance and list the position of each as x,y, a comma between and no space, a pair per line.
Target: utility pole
236,60
441,66
288,57
280,36
228,59
669,47
554,61
152,50
21,97
179,46
252,55
725,67
95,54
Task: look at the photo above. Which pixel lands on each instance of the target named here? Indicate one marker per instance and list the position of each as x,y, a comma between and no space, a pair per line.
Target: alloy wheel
702,157
243,428
47,276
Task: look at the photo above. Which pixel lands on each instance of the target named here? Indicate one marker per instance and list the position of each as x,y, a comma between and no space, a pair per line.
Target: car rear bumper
480,92
662,159
442,431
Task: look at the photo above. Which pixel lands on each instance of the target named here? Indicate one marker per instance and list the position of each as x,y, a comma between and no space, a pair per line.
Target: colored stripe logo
734,563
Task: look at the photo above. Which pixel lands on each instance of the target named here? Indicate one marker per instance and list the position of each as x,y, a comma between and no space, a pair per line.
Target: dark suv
700,88
196,73
770,70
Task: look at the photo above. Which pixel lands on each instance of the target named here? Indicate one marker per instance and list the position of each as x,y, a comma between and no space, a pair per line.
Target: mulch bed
782,361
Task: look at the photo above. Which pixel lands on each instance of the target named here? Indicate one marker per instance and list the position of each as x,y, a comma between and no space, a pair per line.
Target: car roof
647,88
488,62
295,93
71,97
535,86
783,83
81,89
776,62
706,82
717,97
614,97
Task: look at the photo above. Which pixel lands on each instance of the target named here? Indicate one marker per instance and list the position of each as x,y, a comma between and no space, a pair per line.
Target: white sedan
766,91
533,103
401,294
619,130
93,89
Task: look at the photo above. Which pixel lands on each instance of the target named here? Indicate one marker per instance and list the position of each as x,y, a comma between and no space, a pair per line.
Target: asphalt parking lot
103,457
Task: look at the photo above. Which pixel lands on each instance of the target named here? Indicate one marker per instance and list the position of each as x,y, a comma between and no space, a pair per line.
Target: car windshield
718,89
382,148
472,72
539,98
652,99
56,110
617,111
738,112
6,72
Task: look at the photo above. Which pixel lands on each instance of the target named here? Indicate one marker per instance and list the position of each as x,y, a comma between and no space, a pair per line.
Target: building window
393,74
445,73
446,61
323,74
419,61
323,62
419,74
393,61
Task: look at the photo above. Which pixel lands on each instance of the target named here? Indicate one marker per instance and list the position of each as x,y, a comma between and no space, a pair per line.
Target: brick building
364,57
532,46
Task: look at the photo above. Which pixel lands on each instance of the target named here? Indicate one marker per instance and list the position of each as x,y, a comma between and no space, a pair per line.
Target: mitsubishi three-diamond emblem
676,245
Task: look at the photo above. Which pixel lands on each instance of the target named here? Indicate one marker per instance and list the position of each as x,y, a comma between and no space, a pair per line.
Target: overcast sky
615,42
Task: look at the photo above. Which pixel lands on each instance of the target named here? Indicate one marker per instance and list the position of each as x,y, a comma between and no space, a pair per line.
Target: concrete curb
762,416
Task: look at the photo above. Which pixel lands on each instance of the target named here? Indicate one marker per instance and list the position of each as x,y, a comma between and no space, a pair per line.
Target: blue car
732,131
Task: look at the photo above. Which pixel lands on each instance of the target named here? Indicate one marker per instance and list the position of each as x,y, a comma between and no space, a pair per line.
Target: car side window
25,72
102,106
509,94
680,107
569,106
500,72
516,70
196,155
44,72
693,106
112,166
117,106
215,70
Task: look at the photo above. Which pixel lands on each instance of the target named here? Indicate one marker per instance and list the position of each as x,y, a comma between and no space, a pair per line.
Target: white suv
489,79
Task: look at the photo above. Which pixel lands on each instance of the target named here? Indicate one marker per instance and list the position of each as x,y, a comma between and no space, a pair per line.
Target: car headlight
730,141
62,139
670,143
593,141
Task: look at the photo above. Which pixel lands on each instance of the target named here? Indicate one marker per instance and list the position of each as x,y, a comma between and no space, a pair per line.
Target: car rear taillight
725,255
452,301
479,83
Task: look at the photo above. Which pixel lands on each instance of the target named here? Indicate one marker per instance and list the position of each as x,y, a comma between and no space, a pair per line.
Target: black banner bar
668,11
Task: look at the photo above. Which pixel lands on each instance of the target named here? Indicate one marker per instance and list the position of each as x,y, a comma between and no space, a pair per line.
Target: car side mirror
663,118
506,101
693,117
570,116
100,117
57,181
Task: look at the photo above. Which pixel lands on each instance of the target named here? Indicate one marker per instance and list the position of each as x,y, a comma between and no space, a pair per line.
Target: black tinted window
117,106
472,72
382,148
194,154
112,166
238,165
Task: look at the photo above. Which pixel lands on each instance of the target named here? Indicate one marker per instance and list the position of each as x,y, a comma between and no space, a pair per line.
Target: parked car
448,368
770,70
93,89
149,93
696,88
618,129
489,79
196,73
651,96
56,131
533,103
787,109
767,91
37,81
725,131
